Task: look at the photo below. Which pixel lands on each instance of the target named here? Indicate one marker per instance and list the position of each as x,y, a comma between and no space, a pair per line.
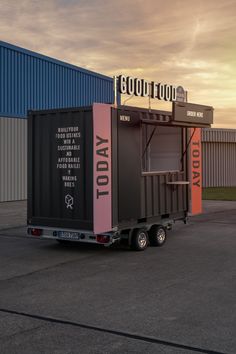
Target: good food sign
142,88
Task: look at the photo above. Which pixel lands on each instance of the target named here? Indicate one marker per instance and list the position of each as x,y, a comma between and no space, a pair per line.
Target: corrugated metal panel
33,81
219,164
159,198
47,189
13,159
219,135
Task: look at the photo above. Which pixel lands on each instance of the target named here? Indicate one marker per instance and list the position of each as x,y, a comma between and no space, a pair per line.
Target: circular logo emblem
180,94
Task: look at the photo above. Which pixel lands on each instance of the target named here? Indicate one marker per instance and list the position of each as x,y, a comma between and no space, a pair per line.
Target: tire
157,236
139,240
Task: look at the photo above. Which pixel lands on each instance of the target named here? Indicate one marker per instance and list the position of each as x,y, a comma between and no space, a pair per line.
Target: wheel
157,236
139,240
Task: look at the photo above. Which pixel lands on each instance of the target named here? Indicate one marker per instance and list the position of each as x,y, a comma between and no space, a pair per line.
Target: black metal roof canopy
183,114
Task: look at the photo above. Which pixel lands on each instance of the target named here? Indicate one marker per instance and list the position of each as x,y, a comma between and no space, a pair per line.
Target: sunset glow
188,43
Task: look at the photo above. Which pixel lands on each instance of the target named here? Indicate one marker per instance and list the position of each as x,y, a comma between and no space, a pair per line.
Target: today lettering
102,167
196,175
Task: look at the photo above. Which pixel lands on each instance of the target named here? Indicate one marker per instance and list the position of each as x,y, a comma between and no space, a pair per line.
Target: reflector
103,238
36,232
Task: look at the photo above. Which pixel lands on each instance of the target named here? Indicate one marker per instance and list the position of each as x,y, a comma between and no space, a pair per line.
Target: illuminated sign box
192,114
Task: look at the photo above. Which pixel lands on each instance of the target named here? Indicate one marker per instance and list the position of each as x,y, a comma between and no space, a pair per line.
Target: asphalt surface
88,299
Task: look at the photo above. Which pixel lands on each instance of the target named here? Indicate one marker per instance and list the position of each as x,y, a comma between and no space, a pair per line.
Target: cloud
182,42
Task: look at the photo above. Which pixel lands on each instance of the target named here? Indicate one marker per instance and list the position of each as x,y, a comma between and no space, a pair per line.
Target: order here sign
192,114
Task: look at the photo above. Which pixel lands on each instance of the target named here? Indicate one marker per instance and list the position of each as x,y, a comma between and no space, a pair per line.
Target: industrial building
219,157
31,81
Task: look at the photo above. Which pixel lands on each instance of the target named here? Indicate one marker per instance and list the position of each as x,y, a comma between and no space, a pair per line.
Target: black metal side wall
138,196
159,198
129,165
61,169
162,199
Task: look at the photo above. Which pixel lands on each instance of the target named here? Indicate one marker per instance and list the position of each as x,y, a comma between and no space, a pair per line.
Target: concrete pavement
86,299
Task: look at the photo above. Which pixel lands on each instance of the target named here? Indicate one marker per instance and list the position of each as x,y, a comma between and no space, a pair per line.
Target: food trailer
105,174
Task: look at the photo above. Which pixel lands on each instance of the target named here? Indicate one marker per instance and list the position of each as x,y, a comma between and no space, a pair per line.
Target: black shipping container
106,171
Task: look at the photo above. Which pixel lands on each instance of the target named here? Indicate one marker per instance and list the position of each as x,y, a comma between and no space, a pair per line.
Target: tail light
35,232
103,238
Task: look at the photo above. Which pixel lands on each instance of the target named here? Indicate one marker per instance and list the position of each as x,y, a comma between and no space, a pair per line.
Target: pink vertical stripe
102,198
196,172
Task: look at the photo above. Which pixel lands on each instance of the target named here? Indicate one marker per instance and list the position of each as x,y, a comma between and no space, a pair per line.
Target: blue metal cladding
33,81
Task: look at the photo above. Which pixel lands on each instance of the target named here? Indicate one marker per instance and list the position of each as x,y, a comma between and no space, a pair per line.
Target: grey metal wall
13,159
219,157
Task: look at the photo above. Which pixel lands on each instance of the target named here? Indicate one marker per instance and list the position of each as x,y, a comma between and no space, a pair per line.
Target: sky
188,43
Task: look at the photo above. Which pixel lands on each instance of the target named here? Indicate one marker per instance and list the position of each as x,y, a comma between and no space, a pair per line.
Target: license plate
68,235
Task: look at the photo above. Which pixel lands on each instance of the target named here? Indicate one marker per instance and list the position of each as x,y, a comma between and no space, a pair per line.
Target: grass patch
219,193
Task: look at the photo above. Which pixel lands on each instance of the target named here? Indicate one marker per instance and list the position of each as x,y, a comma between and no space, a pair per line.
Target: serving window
162,148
